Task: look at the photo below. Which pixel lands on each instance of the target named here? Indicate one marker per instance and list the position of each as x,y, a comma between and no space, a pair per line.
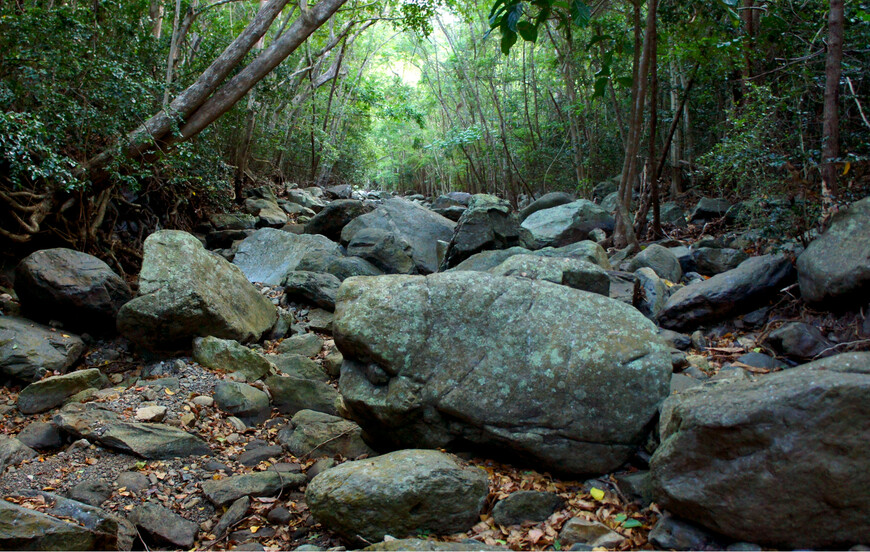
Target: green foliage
748,158
28,156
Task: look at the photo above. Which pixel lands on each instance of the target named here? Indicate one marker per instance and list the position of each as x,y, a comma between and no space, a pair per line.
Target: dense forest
434,275
746,100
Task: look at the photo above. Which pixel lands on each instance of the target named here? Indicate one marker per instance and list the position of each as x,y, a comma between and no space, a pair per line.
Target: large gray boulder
269,254
709,208
834,270
778,461
267,211
332,219
488,223
29,350
230,356
559,270
185,292
78,289
311,287
50,392
546,201
114,431
383,249
731,293
399,494
564,224
417,227
564,378
583,250
660,259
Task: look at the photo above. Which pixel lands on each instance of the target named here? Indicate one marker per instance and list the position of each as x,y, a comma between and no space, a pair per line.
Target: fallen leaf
596,493
535,535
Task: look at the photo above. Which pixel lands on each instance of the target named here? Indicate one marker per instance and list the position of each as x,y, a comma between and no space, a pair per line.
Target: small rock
593,533
233,515
164,525
260,454
800,341
132,481
670,533
278,516
332,363
93,492
525,506
265,483
187,419
760,360
150,413
13,452
53,391
203,400
41,436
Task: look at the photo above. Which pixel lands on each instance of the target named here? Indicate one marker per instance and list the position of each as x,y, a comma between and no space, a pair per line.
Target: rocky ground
707,392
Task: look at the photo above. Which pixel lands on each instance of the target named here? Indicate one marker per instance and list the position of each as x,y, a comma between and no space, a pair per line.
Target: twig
838,345
855,96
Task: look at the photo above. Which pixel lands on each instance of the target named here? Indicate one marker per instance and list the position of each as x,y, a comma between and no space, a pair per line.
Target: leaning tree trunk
831,123
199,105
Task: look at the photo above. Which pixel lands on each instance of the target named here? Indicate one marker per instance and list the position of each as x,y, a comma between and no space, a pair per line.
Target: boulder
585,250
383,250
747,287
78,289
546,201
186,292
592,533
67,525
564,271
232,221
114,431
269,254
306,199
834,270
334,217
341,191
13,452
307,345
313,434
340,267
265,483
487,224
564,224
495,361
777,461
661,260
398,494
244,401
230,356
164,525
416,227
291,394
29,350
486,260
298,366
267,211
50,392
708,209
311,287
670,213
523,506
714,260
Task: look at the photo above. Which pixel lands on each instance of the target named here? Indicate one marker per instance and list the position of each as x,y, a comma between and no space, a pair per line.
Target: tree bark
830,118
624,234
155,129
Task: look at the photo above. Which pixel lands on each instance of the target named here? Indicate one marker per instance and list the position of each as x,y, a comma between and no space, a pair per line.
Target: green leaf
528,31
598,38
624,81
557,545
513,16
580,13
508,39
632,523
600,87
543,15
620,518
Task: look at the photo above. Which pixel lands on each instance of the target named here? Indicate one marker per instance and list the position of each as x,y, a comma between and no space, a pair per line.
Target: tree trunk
173,53
831,121
624,234
155,12
197,107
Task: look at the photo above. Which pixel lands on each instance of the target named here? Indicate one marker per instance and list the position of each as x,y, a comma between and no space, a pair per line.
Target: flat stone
29,350
267,483
164,525
50,392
